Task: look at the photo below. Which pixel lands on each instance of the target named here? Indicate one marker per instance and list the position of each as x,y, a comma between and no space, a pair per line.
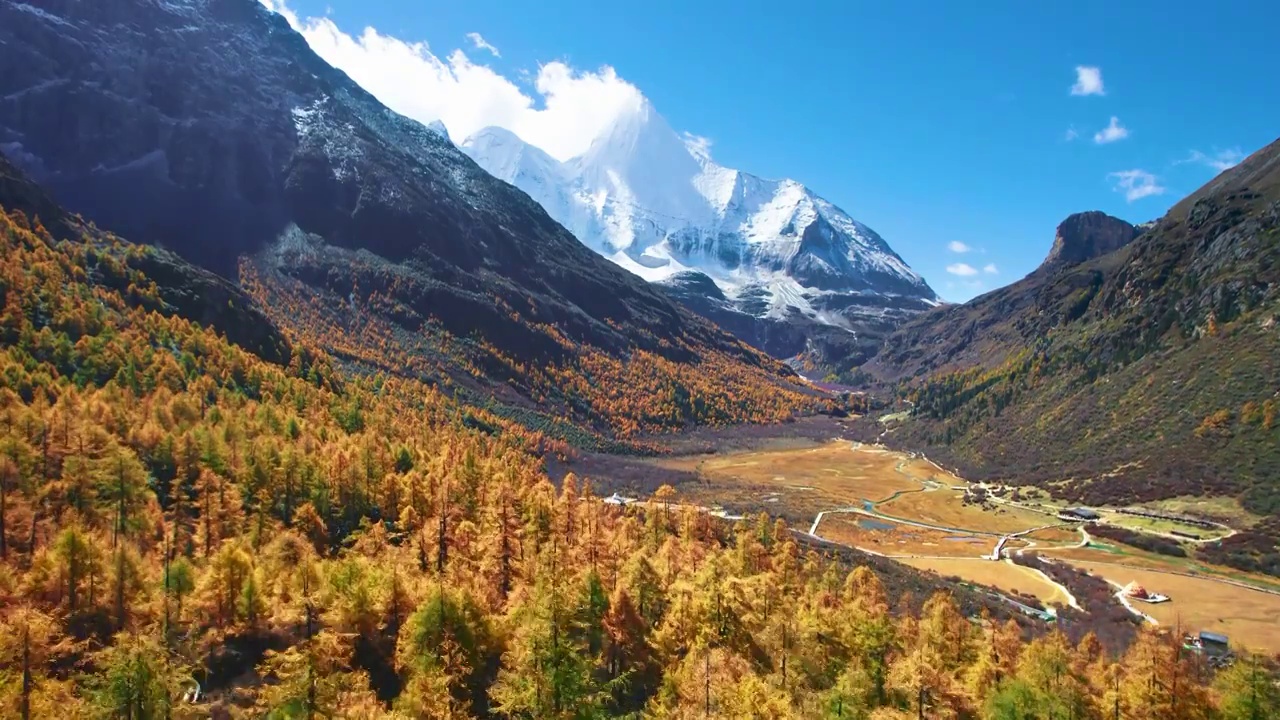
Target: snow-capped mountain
658,205
211,128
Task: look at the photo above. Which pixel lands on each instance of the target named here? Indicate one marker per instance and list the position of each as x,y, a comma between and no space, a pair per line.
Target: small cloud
1088,81
698,145
991,269
1220,159
1136,184
956,246
1111,133
962,269
481,44
1071,134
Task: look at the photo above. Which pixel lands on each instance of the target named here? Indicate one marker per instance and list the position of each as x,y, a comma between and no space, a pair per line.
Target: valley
903,507
309,408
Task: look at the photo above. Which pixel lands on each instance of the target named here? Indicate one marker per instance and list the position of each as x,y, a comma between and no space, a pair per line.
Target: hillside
211,128
1146,373
990,328
189,531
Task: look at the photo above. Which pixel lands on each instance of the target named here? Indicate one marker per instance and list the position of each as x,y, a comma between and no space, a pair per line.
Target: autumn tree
1249,688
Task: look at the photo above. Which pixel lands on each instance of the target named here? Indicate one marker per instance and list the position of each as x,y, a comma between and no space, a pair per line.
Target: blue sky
940,124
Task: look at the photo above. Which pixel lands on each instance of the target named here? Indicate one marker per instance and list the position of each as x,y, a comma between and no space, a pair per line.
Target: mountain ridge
212,127
1145,373
659,206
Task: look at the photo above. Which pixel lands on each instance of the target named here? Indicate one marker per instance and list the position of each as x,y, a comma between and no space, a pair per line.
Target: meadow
1013,579
797,482
1246,616
906,508
945,507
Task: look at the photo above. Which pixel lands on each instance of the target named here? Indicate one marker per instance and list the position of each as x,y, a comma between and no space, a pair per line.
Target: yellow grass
1000,575
832,468
901,540
944,507
1143,560
1218,508
807,480
1134,557
1054,536
1248,617
925,470
1161,525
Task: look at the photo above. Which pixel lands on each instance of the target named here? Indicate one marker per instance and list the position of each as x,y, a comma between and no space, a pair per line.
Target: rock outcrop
1087,235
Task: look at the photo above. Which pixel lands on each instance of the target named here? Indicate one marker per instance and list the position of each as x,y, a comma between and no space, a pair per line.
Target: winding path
931,486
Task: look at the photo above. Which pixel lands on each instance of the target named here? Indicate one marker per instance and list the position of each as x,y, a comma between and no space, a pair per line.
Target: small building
1079,514
1214,642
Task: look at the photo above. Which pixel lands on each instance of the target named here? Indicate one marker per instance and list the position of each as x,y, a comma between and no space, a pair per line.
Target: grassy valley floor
905,508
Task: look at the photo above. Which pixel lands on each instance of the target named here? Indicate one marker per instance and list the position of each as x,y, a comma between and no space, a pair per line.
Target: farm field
1246,616
944,507
896,540
1010,578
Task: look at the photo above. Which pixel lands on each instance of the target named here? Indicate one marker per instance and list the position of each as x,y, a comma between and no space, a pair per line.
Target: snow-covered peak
656,203
638,140
642,167
438,128
505,156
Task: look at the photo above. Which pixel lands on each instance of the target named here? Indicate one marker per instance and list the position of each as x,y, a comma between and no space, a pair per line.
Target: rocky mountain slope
769,260
211,128
1085,236
991,327
1148,372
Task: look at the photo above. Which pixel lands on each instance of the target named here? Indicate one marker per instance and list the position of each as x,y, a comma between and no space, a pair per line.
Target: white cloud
1071,134
697,144
956,246
1219,160
570,109
1111,133
991,269
1136,184
1088,81
481,44
962,269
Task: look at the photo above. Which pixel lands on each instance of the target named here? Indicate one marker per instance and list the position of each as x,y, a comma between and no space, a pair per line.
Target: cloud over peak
1088,81
569,109
962,269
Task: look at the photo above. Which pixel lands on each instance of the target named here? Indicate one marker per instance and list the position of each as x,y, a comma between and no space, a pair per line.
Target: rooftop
1213,638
